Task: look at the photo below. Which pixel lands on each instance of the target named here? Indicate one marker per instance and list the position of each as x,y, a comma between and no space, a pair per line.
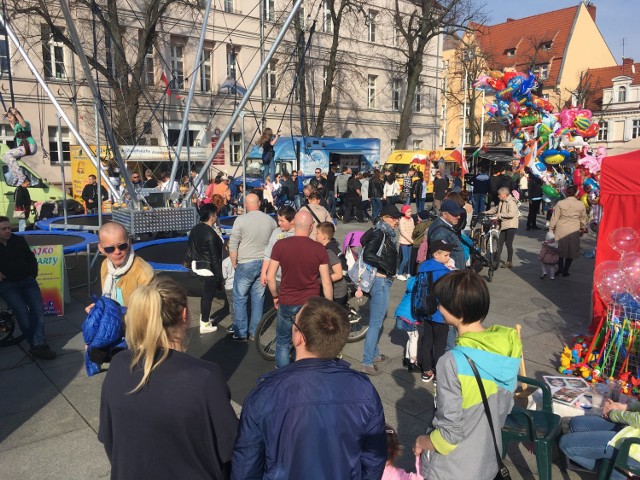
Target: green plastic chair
621,461
540,428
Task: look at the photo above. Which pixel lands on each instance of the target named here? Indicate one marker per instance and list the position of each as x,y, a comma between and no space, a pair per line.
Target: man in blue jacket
314,418
443,229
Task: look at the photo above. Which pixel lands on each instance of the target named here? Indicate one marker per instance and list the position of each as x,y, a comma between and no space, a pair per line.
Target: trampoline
87,222
72,242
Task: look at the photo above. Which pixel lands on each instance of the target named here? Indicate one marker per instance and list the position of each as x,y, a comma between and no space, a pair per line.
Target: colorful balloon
630,266
624,240
609,283
551,192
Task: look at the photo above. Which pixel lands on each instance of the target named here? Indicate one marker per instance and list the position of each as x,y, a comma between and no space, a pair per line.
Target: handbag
503,472
19,212
363,274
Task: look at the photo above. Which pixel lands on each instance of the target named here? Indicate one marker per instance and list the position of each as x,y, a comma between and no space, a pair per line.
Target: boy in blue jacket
435,331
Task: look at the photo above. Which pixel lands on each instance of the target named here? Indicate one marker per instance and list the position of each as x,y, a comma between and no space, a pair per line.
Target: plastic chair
540,428
621,460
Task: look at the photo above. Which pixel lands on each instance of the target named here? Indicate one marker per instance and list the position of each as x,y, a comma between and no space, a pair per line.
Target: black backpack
423,302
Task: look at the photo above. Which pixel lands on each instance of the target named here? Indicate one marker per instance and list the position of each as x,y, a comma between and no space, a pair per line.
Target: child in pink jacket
549,256
393,447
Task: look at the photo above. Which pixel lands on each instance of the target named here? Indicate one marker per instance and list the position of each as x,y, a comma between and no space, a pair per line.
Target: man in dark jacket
535,199
443,228
18,287
353,200
204,256
90,194
288,190
481,184
440,187
292,421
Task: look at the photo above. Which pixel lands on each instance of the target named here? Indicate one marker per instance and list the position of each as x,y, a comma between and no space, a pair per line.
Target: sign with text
51,277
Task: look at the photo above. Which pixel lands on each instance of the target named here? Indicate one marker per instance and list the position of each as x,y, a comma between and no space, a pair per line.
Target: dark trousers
564,264
433,342
534,209
506,238
351,202
209,287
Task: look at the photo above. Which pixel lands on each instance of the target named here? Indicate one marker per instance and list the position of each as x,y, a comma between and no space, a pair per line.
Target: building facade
366,99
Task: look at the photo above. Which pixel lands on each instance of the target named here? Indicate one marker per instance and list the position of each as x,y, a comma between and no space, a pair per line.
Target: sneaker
237,338
43,352
370,370
402,278
552,278
427,376
543,276
380,359
252,338
207,327
230,330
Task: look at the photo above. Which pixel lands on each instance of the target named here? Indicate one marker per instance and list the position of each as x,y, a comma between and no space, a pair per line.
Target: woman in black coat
23,203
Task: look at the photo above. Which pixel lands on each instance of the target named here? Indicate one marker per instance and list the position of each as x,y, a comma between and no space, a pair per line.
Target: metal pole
85,147
464,113
99,190
91,83
482,122
187,109
244,162
61,160
247,95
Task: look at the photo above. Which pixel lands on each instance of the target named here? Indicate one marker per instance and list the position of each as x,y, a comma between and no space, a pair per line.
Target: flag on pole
164,79
458,156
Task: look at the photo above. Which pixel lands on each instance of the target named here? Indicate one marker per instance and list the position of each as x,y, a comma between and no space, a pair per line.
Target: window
272,83
496,137
417,144
371,91
467,111
325,77
394,142
371,23
395,94
635,129
622,95
235,148
231,61
177,67
467,137
542,70
268,11
327,22
108,52
173,135
510,52
546,45
54,156
545,96
7,136
603,133
205,70
228,6
4,54
417,105
53,54
397,35
149,69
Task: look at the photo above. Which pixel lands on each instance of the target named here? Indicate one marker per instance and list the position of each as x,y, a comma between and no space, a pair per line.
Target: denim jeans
478,200
378,305
247,283
420,202
405,250
286,316
408,199
25,299
588,441
297,201
376,207
269,170
331,201
452,334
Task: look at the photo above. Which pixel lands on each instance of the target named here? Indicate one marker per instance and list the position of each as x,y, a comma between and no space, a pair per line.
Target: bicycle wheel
7,325
266,335
358,321
492,255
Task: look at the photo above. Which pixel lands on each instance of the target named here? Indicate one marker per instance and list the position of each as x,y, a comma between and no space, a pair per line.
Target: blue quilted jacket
103,328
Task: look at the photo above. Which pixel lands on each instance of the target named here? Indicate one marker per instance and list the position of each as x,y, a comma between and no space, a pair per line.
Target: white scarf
109,287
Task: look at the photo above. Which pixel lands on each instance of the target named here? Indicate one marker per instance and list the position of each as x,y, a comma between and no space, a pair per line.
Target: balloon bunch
619,281
544,139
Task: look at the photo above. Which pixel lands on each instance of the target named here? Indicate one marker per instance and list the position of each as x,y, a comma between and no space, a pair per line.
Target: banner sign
51,277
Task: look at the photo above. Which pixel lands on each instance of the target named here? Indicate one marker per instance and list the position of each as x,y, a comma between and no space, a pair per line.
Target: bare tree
428,20
122,65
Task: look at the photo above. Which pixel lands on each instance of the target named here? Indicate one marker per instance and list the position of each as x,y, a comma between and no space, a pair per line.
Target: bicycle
8,326
485,238
266,330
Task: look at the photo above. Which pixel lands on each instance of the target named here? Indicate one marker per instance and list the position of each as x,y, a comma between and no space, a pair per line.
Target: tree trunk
413,79
300,73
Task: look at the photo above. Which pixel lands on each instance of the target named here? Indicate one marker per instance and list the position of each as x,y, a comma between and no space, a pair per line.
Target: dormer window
542,70
622,94
510,52
546,45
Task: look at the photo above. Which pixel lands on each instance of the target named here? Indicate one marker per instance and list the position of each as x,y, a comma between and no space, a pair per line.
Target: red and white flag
164,79
459,157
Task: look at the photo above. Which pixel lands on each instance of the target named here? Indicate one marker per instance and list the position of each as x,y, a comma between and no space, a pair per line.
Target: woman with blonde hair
267,140
163,413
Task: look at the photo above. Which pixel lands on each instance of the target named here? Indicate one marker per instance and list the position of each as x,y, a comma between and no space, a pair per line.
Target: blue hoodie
438,270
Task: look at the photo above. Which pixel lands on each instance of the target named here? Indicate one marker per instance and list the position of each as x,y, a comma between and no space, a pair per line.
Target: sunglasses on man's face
121,246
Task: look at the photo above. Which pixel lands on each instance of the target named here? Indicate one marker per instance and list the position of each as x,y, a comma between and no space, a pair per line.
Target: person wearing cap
433,340
443,228
507,212
380,250
406,226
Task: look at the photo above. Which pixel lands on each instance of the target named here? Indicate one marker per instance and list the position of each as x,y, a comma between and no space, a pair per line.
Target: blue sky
616,19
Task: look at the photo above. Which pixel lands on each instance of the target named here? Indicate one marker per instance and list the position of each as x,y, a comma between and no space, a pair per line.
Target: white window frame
496,137
371,91
229,6
327,23
176,59
395,40
393,142
417,145
542,71
7,135
53,145
58,68
206,70
603,132
149,75
467,137
622,94
232,62
371,26
269,10
5,54
395,94
235,148
272,80
635,128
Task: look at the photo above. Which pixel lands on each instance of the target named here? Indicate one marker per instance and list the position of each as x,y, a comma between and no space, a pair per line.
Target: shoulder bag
363,274
503,472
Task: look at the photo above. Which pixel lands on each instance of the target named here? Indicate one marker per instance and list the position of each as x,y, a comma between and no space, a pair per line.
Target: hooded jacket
314,418
441,230
461,435
438,271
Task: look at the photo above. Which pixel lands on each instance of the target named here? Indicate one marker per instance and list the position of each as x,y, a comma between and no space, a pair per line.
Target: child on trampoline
25,145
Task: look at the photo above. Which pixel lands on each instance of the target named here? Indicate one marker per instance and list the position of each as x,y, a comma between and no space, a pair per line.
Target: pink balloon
609,283
630,266
606,265
624,240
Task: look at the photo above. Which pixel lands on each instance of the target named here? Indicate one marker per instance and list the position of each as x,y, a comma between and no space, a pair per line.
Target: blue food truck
309,153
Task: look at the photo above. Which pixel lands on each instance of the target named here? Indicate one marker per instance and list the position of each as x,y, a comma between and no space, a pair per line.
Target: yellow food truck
425,161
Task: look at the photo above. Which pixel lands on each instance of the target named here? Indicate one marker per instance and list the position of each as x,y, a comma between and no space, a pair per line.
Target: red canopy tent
620,200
